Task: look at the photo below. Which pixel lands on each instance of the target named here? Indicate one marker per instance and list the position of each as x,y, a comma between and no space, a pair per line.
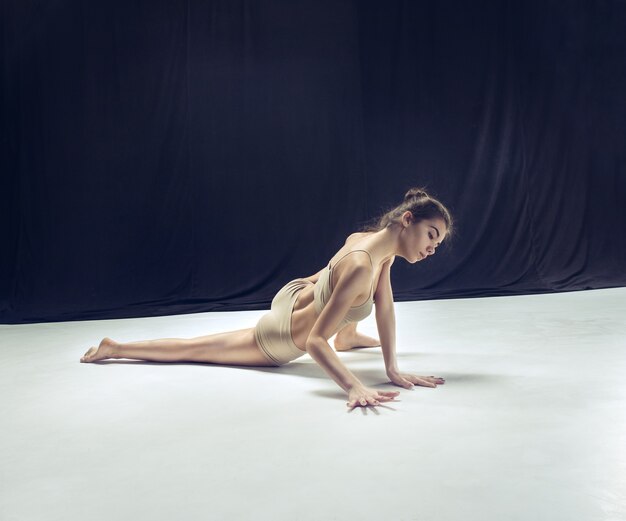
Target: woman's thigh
231,348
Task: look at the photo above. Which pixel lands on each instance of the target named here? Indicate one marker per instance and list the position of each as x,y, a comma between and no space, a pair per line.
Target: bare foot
346,342
102,352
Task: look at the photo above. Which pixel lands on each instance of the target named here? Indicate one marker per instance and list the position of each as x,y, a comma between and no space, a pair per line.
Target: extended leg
232,348
348,338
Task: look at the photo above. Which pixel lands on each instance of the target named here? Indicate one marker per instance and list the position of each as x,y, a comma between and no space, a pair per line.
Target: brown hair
420,204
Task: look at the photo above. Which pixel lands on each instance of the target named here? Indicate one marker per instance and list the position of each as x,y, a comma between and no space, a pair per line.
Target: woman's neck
383,245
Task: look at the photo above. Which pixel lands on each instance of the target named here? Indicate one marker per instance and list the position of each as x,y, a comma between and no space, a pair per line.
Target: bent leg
348,338
231,348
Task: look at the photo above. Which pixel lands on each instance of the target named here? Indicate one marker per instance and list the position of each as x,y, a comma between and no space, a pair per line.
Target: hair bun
415,193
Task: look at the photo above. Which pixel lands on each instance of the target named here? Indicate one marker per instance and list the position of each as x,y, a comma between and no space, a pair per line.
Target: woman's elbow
313,343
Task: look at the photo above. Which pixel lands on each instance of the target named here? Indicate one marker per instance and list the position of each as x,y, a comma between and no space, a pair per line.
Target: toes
87,356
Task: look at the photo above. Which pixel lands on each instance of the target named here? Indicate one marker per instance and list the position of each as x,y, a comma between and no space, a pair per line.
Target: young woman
307,312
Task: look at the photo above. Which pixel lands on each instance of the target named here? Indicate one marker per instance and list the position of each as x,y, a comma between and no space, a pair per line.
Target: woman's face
420,240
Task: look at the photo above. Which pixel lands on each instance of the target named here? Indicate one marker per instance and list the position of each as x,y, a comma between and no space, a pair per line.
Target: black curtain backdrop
164,157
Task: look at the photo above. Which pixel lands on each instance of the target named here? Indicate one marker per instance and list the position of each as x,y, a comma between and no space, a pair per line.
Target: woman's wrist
392,370
354,385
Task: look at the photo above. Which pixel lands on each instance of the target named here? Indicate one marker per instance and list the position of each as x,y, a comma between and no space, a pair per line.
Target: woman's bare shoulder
351,241
356,236
359,258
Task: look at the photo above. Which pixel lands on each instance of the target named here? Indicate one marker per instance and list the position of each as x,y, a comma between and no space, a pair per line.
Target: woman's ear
407,218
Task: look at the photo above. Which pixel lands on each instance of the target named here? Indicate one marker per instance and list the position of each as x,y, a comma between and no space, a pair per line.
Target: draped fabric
164,157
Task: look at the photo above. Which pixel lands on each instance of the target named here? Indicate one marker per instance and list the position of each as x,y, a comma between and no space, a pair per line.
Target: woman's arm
352,280
386,318
349,286
386,323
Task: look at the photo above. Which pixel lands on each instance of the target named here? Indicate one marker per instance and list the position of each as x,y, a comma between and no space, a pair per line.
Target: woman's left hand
408,380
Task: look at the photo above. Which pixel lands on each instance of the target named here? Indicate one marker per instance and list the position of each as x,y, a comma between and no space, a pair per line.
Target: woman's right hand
360,396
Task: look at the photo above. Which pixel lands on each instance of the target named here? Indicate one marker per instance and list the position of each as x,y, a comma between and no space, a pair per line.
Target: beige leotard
273,331
323,290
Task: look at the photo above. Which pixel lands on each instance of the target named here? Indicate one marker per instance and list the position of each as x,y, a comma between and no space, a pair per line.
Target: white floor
530,425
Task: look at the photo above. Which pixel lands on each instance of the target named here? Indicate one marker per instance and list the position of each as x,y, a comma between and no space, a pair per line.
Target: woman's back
305,310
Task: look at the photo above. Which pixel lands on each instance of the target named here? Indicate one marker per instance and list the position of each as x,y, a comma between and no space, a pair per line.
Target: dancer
307,312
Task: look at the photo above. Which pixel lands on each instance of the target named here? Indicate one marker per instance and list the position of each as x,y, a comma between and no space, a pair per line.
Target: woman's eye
430,236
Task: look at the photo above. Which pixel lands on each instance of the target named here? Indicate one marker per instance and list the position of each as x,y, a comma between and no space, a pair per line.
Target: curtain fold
174,157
